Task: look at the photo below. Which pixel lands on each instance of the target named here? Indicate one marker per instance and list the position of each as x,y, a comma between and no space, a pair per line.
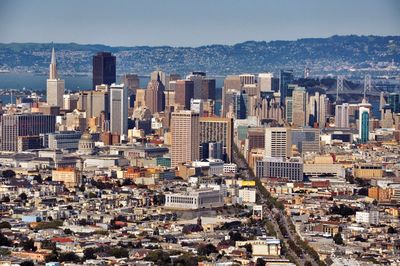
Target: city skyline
156,23
259,153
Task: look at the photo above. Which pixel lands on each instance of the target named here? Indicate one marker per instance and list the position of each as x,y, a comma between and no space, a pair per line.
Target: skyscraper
241,103
247,79
197,78
17,125
185,137
184,91
118,109
363,120
140,99
104,69
394,102
305,139
55,86
316,110
286,77
164,78
155,98
231,84
289,109
277,142
132,83
208,89
96,102
299,107
264,82
255,139
323,110
218,129
342,115
197,106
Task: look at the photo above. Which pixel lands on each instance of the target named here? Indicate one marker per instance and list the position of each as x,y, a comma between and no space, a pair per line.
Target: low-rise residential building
69,176
263,247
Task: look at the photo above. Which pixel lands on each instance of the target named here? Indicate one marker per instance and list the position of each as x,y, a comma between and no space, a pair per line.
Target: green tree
92,195
27,263
68,257
391,230
28,245
5,199
8,174
48,244
338,239
5,224
53,256
186,260
260,262
205,250
67,231
89,254
5,252
159,257
236,236
49,225
248,248
119,252
38,178
4,241
23,196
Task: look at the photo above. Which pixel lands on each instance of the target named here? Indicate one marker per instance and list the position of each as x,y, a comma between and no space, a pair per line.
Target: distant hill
321,55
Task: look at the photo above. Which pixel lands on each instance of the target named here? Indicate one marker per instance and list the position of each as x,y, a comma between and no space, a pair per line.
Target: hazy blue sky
192,23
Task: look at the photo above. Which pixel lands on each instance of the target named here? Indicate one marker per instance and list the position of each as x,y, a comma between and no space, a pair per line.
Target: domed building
86,144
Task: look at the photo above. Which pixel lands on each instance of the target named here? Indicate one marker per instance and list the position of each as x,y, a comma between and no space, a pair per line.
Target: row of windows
174,199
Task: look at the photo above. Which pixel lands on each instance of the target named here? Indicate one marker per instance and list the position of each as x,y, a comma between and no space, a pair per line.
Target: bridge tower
339,86
367,85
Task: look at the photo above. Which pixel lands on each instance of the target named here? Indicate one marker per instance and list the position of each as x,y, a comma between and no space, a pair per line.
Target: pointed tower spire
53,66
53,56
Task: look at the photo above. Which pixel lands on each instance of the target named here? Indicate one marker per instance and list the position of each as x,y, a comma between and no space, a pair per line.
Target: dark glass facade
394,102
286,77
364,127
104,69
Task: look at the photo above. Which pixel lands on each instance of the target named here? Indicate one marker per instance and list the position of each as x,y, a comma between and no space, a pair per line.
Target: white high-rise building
55,85
119,109
197,106
277,142
342,115
365,217
265,81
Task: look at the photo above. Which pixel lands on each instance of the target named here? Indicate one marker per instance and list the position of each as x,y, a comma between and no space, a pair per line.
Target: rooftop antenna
339,86
367,85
